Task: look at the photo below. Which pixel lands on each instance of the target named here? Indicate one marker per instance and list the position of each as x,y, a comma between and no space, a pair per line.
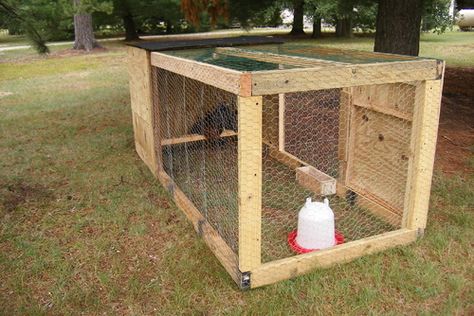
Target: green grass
456,48
85,227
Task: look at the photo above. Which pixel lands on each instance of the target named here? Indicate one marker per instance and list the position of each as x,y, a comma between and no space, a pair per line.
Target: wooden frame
250,181
245,267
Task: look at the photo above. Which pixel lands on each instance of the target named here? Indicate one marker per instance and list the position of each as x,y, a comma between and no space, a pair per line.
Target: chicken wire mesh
199,147
359,137
316,134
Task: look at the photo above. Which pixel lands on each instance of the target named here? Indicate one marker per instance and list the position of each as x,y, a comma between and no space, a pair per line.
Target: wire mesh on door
198,135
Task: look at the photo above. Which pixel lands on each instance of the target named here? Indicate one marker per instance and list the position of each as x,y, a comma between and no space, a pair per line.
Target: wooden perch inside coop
193,138
315,180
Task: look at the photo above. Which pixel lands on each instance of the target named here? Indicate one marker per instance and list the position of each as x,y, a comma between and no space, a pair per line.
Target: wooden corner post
139,69
250,181
423,147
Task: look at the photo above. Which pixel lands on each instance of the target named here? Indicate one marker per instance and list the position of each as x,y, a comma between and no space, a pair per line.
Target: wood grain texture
281,121
141,95
343,136
315,180
270,119
219,77
317,78
250,181
139,72
378,156
392,99
288,268
423,146
193,138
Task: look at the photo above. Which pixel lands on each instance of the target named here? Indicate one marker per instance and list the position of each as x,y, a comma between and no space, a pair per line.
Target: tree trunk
398,27
344,27
83,32
298,12
169,27
347,27
316,27
130,29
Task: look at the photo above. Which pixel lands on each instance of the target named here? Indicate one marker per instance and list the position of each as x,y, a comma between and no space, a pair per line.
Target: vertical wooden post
281,122
250,181
139,69
423,147
281,118
343,139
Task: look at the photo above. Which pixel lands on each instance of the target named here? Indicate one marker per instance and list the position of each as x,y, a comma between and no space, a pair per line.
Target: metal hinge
245,281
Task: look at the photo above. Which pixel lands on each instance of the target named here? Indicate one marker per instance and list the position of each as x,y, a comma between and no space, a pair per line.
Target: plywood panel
139,80
396,99
144,143
378,155
139,70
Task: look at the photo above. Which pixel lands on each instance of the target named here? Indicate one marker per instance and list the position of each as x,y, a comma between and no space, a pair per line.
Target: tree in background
298,16
339,13
123,9
435,16
344,15
398,27
194,10
247,13
84,38
22,20
313,11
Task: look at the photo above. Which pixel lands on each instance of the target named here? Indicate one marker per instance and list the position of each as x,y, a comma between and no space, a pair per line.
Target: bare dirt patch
456,128
18,192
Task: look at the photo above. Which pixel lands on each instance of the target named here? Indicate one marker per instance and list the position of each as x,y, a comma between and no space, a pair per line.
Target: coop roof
206,43
270,68
283,56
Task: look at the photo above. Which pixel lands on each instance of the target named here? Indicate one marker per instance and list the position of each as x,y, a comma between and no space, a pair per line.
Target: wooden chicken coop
242,130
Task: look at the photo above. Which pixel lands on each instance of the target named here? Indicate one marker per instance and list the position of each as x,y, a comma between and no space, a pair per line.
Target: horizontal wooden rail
386,111
291,267
193,138
318,78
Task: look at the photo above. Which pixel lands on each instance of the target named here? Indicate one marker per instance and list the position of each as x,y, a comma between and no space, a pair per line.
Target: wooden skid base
291,267
218,246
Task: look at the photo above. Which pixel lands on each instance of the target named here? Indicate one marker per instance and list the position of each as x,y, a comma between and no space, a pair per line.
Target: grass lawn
86,228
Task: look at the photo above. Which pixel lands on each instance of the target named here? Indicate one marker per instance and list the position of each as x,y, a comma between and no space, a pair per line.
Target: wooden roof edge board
275,58
339,76
223,78
208,42
357,52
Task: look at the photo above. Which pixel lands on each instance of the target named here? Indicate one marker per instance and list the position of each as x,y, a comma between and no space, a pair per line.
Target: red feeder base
298,249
